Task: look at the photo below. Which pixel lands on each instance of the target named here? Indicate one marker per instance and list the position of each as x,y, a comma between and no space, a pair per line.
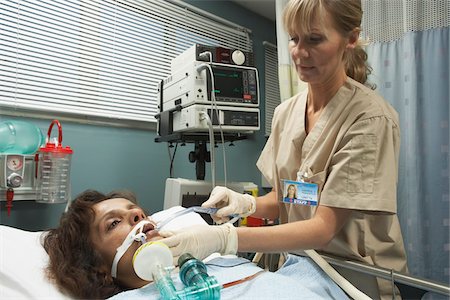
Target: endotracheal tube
153,261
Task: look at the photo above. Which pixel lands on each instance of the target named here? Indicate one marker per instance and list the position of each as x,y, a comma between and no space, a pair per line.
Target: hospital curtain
409,52
99,58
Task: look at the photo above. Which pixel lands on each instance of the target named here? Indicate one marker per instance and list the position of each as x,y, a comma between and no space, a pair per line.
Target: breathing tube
198,209
135,235
153,261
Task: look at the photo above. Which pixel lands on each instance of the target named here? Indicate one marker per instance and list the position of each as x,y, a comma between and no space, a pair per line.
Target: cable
215,109
211,148
204,54
172,157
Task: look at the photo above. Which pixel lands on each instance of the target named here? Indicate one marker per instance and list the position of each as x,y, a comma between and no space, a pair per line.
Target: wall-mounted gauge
15,162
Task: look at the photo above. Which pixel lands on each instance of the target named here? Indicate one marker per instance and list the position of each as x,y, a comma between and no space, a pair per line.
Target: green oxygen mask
153,262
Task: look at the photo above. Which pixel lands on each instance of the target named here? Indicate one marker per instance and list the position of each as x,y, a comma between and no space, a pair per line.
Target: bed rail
420,283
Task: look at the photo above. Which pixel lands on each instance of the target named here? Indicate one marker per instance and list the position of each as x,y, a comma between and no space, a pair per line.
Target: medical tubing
180,213
211,147
242,280
199,285
350,289
197,209
165,284
215,109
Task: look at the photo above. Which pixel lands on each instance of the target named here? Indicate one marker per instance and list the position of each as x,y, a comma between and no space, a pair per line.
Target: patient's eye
113,224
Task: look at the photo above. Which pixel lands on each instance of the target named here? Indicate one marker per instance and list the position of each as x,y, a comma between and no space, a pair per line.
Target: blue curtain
412,73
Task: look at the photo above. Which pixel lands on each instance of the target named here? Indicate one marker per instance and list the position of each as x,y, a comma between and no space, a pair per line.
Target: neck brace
135,234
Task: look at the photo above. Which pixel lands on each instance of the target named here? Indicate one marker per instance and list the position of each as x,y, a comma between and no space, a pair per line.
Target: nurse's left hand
201,241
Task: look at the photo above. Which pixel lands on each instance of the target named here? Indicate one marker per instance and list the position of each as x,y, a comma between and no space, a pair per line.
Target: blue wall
109,158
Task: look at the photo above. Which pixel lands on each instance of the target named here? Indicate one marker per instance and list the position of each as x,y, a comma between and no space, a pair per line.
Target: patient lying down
83,247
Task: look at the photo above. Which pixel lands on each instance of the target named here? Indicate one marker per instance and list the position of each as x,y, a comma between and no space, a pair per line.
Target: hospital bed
23,261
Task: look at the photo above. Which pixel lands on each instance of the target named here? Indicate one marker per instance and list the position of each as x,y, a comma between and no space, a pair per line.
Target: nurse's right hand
230,203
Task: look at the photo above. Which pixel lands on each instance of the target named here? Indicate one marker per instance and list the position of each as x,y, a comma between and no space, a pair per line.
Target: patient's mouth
150,232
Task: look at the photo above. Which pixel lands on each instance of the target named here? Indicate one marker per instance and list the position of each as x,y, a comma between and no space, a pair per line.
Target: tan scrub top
352,154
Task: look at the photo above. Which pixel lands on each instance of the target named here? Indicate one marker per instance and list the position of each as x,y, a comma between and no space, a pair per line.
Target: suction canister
53,164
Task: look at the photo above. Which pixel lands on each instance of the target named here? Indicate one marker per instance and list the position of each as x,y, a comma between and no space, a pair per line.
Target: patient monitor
206,80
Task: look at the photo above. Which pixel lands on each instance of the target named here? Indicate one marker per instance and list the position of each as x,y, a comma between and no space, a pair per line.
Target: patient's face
114,219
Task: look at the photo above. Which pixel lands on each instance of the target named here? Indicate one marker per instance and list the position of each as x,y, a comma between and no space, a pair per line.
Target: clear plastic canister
53,162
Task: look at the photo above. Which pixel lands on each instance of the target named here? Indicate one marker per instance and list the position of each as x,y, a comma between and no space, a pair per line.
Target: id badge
299,192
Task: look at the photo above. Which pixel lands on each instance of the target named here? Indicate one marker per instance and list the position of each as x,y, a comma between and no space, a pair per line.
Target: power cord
171,158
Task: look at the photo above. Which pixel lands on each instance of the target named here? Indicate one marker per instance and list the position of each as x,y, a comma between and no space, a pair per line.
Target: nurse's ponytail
356,65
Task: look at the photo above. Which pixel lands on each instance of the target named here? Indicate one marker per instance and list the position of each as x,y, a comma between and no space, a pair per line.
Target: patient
82,248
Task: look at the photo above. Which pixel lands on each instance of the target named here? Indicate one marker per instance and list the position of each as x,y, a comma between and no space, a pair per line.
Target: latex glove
230,203
201,241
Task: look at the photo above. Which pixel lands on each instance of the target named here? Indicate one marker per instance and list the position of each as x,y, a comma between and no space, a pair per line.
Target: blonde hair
346,14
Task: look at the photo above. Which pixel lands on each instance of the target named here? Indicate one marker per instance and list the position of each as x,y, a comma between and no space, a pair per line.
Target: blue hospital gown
298,278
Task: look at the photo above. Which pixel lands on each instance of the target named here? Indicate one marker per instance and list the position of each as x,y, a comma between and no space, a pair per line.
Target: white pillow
23,259
22,265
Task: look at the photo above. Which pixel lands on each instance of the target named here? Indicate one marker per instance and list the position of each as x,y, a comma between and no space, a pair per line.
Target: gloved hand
201,241
230,203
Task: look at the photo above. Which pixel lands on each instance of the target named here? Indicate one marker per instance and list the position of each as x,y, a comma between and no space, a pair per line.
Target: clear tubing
198,209
164,283
199,285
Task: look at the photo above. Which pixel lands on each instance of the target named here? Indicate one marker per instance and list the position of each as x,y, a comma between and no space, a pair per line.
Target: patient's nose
136,216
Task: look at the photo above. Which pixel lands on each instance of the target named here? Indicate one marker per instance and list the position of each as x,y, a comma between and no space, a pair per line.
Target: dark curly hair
74,265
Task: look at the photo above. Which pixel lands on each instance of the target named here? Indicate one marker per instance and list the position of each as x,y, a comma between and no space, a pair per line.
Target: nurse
339,140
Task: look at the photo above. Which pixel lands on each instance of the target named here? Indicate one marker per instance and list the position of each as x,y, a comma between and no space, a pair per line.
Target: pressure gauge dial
14,162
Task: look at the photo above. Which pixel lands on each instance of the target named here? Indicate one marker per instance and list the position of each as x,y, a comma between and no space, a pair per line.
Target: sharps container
53,165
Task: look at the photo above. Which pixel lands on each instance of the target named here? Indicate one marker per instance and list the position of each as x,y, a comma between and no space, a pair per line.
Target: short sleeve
265,162
363,171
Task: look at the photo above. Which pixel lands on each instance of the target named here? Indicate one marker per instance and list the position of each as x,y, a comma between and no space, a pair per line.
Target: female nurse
339,140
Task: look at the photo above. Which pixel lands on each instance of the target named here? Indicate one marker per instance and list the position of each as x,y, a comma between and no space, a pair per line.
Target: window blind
272,88
99,58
